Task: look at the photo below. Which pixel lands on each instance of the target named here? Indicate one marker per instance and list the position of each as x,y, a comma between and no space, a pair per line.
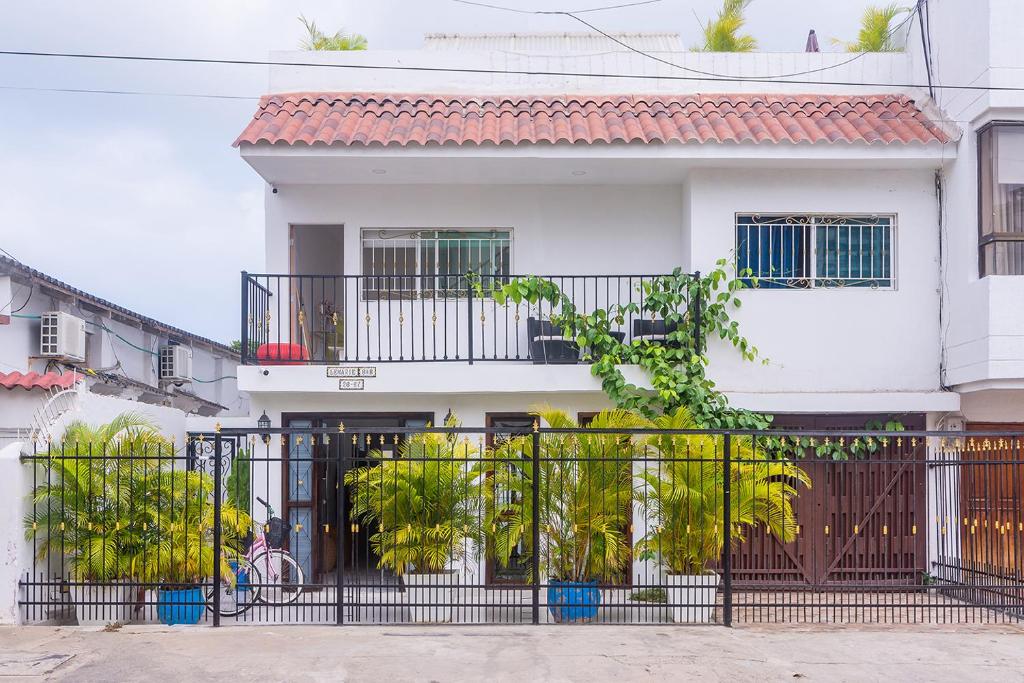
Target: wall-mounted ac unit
176,363
62,336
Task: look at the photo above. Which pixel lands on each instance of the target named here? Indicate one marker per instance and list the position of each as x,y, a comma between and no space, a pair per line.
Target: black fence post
469,319
535,528
217,531
339,574
244,351
727,531
698,322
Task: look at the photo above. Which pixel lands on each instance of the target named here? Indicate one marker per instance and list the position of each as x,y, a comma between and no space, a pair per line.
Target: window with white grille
432,262
805,251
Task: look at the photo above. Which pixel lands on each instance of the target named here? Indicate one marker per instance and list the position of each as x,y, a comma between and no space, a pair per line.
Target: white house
68,355
875,201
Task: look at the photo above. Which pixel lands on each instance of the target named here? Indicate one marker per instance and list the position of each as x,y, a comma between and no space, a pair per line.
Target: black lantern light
264,424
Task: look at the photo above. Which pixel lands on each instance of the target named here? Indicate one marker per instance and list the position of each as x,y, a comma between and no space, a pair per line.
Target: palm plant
683,494
93,508
340,41
876,31
585,497
424,505
182,509
721,34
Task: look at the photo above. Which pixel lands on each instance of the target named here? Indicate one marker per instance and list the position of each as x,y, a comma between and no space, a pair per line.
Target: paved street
594,653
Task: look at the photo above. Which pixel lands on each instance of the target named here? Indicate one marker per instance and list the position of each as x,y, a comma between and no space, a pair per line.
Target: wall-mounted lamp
264,424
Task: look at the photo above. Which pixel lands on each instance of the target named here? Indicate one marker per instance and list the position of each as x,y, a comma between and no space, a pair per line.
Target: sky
142,200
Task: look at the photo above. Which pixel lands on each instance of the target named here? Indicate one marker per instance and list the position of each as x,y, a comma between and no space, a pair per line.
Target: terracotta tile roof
376,118
33,380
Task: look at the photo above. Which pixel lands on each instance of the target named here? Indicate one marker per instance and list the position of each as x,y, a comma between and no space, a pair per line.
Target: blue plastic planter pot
572,602
180,605
241,578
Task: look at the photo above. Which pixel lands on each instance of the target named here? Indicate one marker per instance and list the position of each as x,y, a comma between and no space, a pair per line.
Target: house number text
351,384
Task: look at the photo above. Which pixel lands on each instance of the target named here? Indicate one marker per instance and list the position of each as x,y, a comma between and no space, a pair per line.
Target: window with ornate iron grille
412,262
804,251
1001,199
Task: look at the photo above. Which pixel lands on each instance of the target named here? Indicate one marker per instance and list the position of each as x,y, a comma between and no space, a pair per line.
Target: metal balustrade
329,319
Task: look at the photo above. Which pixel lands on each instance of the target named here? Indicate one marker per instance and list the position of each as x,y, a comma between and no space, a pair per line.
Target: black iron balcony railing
327,319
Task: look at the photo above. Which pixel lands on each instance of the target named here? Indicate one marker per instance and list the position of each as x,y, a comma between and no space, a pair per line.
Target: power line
480,70
129,92
592,27
578,11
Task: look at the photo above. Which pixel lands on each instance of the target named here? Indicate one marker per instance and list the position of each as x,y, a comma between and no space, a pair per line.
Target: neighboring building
856,205
98,360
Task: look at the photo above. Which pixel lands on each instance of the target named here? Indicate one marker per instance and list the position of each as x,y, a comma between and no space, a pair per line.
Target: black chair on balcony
548,345
655,331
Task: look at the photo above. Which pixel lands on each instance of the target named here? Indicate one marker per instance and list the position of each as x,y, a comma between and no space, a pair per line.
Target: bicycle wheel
282,577
243,593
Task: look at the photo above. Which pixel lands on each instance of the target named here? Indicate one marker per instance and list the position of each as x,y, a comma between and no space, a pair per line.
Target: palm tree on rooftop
721,34
876,30
340,40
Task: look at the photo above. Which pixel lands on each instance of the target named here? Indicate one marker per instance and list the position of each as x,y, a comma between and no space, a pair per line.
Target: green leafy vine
677,366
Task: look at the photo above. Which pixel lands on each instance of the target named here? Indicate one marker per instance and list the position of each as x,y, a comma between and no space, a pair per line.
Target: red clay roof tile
33,380
421,119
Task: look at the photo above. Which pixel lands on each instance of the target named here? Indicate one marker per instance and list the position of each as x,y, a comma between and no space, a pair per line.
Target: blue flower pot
180,605
241,578
573,602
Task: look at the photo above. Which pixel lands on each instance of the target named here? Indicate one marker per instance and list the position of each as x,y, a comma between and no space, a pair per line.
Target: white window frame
366,233
814,281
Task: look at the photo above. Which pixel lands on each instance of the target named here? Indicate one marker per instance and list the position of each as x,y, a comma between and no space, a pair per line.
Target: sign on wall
358,371
351,384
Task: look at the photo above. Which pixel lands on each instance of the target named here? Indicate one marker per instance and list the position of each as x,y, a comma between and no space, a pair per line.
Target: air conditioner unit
62,336
176,363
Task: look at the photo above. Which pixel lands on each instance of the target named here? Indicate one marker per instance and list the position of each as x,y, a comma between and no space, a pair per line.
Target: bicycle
266,574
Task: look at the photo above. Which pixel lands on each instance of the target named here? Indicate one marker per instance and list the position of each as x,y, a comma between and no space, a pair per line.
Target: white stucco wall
828,340
886,341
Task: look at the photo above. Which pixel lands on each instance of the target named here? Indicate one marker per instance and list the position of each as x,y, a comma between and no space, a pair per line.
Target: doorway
317,290
315,502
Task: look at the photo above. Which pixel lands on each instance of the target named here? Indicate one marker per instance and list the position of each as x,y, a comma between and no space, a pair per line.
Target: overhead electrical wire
474,70
592,27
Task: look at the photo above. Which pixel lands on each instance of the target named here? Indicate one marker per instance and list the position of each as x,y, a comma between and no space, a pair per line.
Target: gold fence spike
856,529
327,528
826,529
913,530
298,527
341,427
885,529
216,428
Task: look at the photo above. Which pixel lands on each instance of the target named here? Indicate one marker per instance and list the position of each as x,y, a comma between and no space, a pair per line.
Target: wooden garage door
861,522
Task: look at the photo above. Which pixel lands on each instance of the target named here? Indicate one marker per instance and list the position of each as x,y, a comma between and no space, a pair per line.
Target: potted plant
686,508
425,507
181,558
585,499
89,515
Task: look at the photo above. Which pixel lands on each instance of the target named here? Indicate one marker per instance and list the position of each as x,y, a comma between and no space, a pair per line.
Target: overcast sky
142,200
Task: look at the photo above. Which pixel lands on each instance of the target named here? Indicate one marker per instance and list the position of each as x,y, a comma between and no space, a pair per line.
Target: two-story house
878,219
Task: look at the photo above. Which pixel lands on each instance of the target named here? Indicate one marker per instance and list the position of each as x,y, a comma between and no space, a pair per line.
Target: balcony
336,319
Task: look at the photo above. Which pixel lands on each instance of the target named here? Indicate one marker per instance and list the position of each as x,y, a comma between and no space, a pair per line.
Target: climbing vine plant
677,367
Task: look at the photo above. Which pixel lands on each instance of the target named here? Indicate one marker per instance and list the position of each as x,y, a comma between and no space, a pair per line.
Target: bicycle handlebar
270,510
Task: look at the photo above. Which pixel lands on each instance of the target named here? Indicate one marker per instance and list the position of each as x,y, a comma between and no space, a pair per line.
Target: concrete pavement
512,653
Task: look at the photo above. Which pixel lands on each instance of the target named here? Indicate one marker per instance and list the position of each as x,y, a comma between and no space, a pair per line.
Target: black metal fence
610,524
299,319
